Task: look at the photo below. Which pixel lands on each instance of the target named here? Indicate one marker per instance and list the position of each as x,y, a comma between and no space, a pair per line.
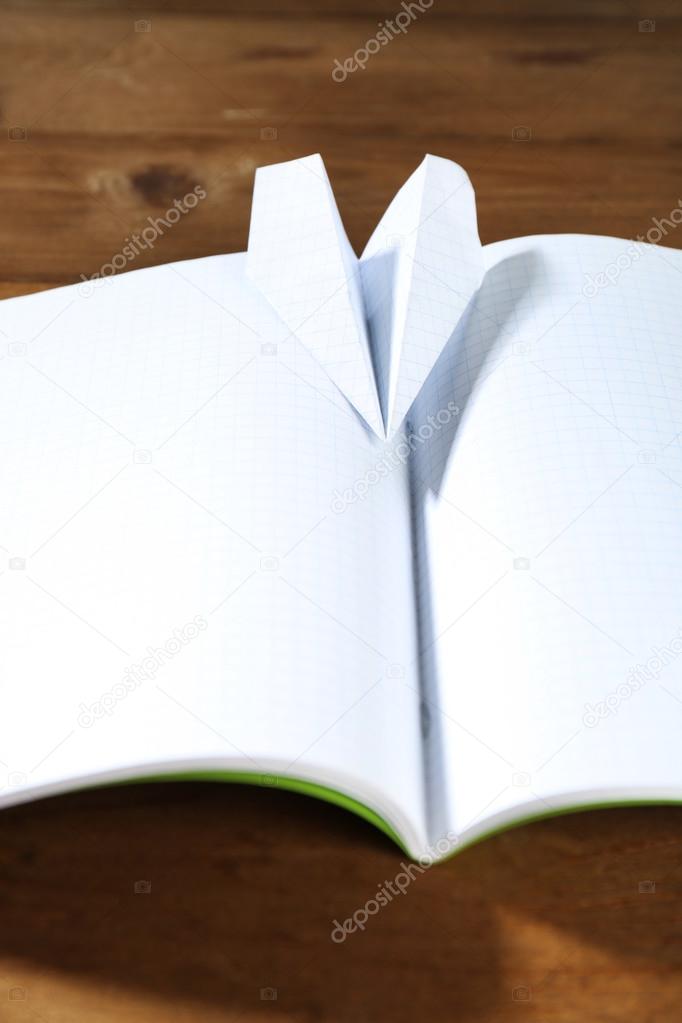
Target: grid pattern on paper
421,267
554,511
301,260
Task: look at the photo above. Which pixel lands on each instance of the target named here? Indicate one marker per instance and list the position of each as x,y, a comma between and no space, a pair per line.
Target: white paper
301,260
170,466
420,269
378,324
211,531
553,523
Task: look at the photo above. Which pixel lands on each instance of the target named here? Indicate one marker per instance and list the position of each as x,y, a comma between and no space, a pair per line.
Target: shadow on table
221,895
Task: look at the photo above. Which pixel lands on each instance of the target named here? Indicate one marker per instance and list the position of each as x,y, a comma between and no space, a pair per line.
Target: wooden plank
471,9
547,921
119,123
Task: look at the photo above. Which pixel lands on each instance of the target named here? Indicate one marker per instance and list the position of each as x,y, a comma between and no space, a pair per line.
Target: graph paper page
182,583
551,509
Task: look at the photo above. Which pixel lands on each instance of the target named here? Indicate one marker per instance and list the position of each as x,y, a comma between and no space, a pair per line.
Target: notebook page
181,585
552,517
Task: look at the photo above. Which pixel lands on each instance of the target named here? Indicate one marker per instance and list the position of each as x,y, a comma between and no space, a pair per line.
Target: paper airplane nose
377,325
429,238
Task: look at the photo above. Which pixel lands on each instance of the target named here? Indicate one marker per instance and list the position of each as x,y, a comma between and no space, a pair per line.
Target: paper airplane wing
420,269
301,260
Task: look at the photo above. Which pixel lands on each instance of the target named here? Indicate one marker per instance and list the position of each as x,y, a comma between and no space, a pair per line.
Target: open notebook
404,531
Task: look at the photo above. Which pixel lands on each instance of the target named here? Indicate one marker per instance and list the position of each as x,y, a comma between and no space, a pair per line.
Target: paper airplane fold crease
378,324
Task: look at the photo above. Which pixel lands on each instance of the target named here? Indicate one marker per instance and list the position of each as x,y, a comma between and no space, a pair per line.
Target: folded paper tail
378,324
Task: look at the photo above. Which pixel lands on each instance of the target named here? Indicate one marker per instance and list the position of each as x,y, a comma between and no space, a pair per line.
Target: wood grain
546,923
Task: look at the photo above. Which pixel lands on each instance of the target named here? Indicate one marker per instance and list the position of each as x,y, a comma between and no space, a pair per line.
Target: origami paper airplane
376,324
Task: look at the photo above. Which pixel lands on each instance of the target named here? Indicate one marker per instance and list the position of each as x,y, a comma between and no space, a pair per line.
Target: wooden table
568,117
